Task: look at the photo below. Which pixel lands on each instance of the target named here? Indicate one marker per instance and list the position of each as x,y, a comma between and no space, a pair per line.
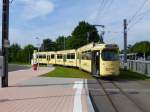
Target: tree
83,34
48,45
27,52
141,47
14,51
61,43
19,55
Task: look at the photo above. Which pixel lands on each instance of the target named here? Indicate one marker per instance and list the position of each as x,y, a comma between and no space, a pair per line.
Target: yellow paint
71,62
107,68
86,65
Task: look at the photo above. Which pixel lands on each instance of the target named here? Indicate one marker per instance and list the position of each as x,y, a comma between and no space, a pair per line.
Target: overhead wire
105,4
109,4
101,6
140,19
138,11
11,1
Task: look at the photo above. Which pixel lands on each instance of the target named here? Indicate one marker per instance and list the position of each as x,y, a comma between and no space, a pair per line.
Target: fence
138,66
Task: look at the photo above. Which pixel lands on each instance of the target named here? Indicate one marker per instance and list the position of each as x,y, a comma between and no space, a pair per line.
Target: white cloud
37,8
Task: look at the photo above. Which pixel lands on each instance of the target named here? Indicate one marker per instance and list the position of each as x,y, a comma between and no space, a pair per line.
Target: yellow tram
98,59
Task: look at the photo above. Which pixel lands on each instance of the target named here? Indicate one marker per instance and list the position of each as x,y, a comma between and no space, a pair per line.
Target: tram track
101,83
107,94
128,96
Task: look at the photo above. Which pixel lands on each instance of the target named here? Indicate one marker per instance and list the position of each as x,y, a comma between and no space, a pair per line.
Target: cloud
60,18
37,8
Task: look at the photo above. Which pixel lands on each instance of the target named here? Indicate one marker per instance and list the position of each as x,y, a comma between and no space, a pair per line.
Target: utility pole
125,44
5,42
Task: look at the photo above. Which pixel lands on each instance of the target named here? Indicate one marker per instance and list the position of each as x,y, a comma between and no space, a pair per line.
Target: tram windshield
110,55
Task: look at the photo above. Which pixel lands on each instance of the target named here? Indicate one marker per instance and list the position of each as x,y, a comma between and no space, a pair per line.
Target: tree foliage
61,43
27,53
17,54
141,47
83,34
14,52
48,45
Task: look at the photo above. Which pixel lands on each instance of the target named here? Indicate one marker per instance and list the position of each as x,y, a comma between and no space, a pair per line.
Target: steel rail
128,96
107,94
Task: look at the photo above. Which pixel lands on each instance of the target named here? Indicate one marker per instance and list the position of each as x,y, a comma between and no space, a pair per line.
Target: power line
138,10
140,19
102,6
107,6
11,1
114,32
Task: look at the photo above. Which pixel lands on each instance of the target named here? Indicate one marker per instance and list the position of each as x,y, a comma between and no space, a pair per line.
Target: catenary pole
5,42
125,44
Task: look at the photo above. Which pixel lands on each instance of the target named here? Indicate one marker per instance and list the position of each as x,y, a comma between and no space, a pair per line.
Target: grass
68,73
129,75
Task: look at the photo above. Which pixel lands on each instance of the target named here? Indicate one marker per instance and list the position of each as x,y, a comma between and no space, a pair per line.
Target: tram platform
27,92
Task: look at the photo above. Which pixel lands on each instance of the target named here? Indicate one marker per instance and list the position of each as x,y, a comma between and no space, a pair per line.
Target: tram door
96,63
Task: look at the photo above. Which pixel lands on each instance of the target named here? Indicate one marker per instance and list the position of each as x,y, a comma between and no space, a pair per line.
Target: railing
138,66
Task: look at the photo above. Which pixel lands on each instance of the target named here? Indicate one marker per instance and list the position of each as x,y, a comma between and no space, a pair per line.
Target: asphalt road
131,96
15,67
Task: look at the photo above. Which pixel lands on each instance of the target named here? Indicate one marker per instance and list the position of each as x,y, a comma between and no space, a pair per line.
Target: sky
51,18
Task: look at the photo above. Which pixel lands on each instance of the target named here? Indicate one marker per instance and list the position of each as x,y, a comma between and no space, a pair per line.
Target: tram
99,59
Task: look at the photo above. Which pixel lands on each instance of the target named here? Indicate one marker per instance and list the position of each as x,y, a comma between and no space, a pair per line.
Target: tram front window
110,55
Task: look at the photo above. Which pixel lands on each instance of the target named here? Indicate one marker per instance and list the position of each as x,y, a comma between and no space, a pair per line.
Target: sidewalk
29,93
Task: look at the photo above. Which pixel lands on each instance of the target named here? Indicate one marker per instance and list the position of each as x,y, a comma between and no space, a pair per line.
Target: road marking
77,98
90,105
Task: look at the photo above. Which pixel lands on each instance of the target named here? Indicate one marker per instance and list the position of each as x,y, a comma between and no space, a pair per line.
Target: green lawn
68,73
129,75
76,73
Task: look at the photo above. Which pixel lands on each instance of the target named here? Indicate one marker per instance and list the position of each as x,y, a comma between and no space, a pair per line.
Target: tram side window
86,55
39,56
59,56
52,56
71,56
44,56
68,56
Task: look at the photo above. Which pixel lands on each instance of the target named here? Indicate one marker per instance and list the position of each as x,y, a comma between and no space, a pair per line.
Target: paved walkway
29,93
21,75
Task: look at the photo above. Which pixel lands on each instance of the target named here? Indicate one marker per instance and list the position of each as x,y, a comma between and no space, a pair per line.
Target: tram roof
66,51
86,47
103,46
